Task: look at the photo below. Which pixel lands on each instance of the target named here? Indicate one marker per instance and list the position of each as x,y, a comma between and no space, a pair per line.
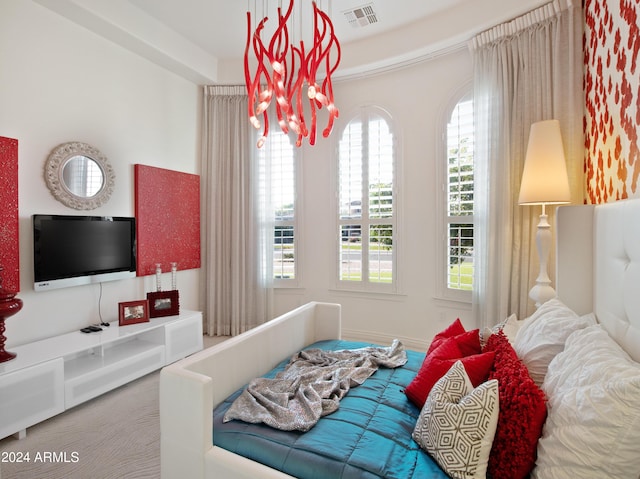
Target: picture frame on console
133,312
163,303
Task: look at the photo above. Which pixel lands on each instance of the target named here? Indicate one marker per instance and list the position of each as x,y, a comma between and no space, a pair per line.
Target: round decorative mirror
79,176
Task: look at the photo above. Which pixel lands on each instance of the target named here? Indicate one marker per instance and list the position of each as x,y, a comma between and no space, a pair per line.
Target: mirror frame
53,174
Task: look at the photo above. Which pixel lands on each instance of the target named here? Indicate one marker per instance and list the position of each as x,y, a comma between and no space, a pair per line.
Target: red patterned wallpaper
167,219
9,244
612,95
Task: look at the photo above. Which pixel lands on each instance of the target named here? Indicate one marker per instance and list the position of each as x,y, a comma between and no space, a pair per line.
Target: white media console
52,375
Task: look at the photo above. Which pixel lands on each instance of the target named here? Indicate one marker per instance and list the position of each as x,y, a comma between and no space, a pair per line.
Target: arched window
367,203
459,192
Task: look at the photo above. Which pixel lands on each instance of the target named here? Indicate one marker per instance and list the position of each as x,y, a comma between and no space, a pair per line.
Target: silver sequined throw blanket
311,386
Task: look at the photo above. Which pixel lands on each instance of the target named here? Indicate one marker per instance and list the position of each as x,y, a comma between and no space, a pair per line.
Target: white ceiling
204,40
220,26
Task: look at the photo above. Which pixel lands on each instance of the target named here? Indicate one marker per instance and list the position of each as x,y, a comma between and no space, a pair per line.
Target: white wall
59,82
417,98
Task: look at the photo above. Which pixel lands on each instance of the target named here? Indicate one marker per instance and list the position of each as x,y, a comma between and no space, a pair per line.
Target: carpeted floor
114,436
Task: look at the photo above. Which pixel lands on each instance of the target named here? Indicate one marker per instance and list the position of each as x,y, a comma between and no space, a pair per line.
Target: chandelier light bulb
262,106
265,95
294,124
255,122
277,67
321,98
282,101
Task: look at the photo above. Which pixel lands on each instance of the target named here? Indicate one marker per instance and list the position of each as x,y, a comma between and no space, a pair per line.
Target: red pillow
454,329
523,411
436,365
468,343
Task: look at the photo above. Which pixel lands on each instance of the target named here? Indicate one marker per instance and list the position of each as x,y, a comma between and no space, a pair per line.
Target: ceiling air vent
361,16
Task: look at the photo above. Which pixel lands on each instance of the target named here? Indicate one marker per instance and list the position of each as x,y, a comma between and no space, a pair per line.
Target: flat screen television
74,250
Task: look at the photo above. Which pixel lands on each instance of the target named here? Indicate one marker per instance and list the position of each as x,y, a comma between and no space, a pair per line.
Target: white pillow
593,423
509,326
544,333
457,424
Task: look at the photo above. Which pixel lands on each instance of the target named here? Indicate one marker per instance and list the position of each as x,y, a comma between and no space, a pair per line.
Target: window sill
379,295
449,300
292,288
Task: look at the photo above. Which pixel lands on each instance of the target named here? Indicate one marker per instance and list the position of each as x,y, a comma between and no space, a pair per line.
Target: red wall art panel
9,241
167,219
612,95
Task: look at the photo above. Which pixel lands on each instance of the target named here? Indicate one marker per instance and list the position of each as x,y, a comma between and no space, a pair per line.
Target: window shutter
460,190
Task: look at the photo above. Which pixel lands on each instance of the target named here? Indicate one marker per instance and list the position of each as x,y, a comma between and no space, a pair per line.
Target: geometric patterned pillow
457,424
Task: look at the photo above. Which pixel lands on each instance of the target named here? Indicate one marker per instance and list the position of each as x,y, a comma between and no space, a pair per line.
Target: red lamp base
6,356
9,305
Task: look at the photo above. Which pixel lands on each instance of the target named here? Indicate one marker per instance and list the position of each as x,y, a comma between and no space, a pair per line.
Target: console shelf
97,359
61,372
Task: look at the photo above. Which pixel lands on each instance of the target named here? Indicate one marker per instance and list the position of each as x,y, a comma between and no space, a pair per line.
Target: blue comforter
369,436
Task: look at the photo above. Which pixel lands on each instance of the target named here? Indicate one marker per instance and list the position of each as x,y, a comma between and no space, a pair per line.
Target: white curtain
237,284
526,70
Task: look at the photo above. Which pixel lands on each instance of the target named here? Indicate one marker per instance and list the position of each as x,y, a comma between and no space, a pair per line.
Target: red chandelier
283,70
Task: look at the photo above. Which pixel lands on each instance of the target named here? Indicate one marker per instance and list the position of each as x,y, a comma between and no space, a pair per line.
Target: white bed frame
598,270
599,266
191,388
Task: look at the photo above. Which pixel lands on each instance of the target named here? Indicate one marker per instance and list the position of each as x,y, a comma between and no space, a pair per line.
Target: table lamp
544,182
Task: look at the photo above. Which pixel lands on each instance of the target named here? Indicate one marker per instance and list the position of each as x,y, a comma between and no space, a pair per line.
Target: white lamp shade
544,179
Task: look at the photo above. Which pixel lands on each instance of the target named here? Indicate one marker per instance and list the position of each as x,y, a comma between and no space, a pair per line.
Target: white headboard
598,266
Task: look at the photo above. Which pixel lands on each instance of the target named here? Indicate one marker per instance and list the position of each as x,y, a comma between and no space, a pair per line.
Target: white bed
598,270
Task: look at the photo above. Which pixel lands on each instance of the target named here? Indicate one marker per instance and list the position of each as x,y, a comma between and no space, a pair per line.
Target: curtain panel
236,263
525,70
